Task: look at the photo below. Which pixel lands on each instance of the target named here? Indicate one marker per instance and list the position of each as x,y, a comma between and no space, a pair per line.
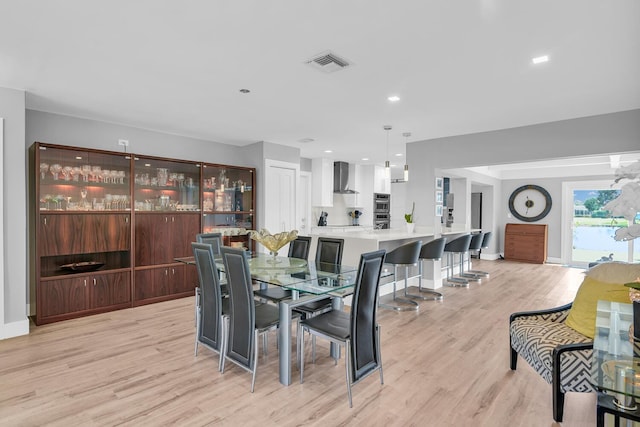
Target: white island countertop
391,234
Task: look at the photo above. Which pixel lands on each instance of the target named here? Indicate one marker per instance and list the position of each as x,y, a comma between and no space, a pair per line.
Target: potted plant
409,219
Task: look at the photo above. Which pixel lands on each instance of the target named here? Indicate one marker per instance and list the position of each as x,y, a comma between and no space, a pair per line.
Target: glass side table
615,367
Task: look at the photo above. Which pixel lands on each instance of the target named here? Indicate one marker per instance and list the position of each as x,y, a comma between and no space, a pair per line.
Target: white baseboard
14,329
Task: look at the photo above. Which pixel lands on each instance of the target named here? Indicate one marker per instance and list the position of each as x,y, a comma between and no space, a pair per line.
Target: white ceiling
458,67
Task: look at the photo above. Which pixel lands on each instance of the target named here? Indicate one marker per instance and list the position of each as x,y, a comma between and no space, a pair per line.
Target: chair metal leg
347,365
198,320
379,354
255,359
467,275
300,339
435,296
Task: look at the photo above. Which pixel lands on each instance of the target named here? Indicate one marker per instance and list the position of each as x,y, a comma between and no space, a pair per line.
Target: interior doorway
588,231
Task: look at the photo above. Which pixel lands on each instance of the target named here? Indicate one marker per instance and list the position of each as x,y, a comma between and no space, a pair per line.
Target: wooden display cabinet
82,221
228,203
106,227
167,205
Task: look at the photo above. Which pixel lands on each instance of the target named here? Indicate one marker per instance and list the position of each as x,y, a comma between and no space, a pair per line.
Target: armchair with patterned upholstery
558,353
558,342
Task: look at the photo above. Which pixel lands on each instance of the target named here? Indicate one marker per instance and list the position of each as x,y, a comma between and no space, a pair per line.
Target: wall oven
381,211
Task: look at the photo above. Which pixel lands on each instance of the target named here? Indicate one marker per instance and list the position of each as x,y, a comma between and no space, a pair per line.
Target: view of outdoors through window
594,229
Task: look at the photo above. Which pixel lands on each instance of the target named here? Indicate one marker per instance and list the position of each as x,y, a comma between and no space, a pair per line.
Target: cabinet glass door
228,202
165,185
79,180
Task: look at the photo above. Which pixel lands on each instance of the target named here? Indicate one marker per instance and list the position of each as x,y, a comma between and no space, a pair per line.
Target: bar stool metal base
479,273
471,277
457,282
410,304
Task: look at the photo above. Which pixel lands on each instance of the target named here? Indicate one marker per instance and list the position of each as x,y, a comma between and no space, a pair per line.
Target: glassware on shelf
83,195
121,176
55,170
96,171
76,173
163,175
105,175
86,171
44,168
66,172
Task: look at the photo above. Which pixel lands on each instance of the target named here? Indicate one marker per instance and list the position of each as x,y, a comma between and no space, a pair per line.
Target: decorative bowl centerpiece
273,242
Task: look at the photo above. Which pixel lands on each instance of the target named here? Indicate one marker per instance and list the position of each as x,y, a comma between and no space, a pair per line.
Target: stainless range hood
341,179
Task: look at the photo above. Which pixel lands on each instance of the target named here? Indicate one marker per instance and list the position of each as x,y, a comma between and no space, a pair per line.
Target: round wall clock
530,203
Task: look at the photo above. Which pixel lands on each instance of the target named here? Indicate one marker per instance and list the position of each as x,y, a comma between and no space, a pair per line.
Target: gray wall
603,134
12,109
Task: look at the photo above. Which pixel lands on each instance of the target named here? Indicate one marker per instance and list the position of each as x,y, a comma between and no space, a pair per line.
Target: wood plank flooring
447,365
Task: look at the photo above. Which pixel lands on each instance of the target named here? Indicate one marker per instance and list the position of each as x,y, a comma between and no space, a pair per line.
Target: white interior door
281,180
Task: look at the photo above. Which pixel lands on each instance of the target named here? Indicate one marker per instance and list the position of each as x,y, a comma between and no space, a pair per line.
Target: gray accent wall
14,216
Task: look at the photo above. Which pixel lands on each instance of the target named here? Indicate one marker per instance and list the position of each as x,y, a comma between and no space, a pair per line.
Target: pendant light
406,166
387,166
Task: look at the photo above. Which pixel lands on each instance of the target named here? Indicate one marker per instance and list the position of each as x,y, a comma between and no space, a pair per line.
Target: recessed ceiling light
394,98
328,151
364,159
540,59
244,91
398,154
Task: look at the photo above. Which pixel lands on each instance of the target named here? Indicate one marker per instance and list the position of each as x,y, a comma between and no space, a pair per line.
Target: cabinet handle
45,220
85,283
94,281
173,219
126,219
166,271
173,270
166,219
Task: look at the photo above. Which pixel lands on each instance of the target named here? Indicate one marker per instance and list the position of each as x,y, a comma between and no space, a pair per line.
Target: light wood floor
446,365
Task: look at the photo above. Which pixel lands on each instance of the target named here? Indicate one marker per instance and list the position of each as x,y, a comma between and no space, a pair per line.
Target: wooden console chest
526,243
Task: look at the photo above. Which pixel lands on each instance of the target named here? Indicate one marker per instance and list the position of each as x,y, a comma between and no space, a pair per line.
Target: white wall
14,320
603,134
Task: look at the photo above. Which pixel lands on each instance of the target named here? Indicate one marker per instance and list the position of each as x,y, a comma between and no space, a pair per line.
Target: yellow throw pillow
582,315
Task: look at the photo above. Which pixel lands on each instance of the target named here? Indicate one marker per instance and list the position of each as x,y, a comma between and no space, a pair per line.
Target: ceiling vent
328,62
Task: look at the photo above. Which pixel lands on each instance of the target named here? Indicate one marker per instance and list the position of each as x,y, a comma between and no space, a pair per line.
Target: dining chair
246,321
215,240
328,255
298,248
210,318
358,330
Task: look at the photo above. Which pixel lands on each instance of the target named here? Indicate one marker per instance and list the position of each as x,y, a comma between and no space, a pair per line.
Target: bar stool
431,251
404,256
474,245
460,246
485,244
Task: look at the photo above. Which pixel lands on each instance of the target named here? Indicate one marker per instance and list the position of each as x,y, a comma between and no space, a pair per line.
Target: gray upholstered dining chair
299,248
328,255
211,312
246,319
358,330
214,239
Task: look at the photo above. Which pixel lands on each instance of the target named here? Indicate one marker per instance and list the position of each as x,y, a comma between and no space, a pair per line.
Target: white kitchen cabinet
322,182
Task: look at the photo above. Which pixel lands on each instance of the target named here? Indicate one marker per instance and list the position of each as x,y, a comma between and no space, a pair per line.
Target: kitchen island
358,242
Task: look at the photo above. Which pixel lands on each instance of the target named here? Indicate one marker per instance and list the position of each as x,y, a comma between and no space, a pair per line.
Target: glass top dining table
308,282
